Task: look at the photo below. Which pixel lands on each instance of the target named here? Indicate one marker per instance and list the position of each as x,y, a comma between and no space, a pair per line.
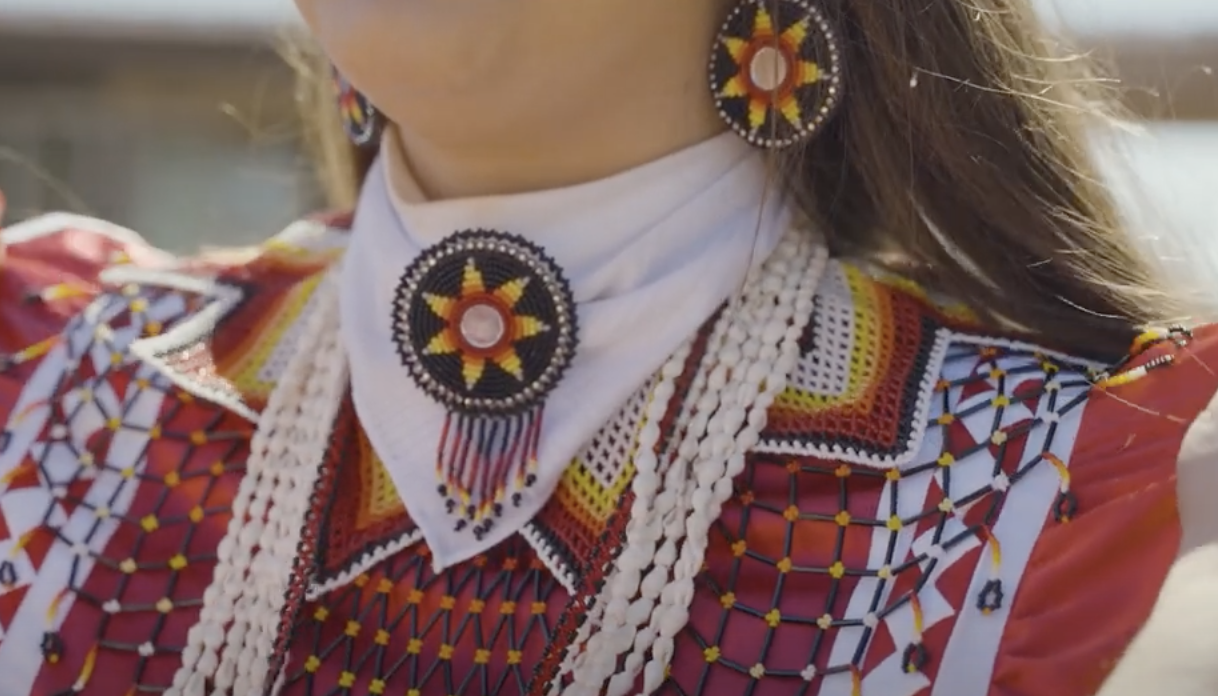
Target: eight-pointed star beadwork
481,324
770,69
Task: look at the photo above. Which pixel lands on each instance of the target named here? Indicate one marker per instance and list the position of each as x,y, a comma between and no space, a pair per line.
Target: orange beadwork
894,336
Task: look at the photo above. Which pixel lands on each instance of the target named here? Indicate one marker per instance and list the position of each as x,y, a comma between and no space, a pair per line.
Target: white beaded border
222,299
366,560
944,340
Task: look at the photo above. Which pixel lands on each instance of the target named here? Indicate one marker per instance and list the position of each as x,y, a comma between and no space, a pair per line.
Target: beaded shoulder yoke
918,500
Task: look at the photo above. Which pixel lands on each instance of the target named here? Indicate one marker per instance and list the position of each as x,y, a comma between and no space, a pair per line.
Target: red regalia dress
930,510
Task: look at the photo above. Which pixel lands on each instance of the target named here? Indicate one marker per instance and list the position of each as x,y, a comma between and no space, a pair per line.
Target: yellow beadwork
773,618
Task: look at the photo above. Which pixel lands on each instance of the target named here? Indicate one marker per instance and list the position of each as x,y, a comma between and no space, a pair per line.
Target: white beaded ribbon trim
230,645
751,353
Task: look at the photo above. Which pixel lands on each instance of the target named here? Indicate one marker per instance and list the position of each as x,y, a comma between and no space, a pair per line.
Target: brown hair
961,149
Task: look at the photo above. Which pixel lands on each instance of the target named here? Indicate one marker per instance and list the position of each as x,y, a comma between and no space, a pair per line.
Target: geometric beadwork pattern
477,628
112,503
255,368
572,522
827,572
364,521
265,302
859,387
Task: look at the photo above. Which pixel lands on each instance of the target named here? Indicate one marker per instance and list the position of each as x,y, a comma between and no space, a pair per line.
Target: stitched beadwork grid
478,628
855,545
139,530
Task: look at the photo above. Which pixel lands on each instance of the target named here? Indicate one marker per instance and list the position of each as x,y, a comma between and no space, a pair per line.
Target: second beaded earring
775,71
361,120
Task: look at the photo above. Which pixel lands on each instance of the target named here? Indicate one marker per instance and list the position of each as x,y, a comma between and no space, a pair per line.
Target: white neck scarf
649,253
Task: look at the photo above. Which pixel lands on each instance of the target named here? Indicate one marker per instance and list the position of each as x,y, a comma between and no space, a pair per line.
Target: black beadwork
499,258
914,658
8,574
990,598
1065,507
51,647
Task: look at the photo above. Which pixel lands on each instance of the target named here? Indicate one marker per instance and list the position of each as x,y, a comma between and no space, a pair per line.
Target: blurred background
177,118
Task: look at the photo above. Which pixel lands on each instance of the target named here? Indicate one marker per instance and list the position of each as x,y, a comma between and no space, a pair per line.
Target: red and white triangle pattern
947,595
72,448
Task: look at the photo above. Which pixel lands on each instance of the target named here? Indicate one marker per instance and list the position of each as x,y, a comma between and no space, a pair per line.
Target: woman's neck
545,161
561,115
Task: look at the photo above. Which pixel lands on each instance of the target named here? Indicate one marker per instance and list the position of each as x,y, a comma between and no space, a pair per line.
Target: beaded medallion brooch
485,323
359,117
775,71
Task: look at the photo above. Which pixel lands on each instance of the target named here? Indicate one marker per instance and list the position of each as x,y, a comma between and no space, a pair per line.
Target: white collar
650,254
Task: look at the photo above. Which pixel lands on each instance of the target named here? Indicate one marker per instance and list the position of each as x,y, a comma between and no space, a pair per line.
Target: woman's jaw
504,96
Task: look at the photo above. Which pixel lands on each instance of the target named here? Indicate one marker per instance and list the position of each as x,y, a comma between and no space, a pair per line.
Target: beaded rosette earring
485,323
361,121
775,71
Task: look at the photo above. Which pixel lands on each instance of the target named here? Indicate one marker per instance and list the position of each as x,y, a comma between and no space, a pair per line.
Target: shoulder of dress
1172,379
875,352
253,300
76,292
51,268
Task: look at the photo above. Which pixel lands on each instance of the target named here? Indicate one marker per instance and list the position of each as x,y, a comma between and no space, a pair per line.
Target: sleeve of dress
1174,652
1197,468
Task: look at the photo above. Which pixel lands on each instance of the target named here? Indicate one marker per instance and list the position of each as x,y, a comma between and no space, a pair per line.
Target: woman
831,379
